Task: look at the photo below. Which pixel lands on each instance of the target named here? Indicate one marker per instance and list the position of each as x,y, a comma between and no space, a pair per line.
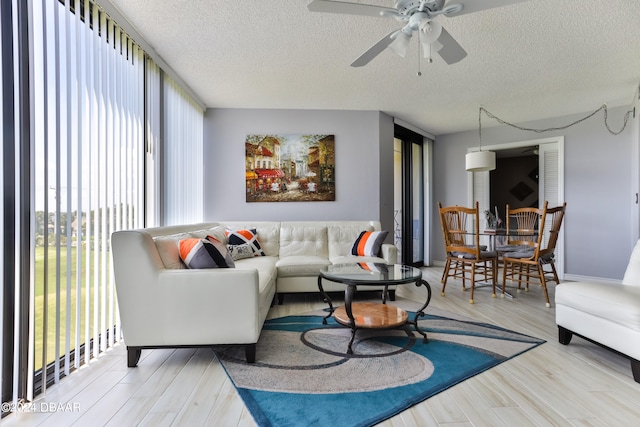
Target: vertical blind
183,149
88,174
93,134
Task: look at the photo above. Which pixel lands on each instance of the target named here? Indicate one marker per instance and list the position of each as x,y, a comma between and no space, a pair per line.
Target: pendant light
480,161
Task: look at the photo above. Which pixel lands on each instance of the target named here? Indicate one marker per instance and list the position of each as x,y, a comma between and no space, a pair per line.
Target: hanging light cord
606,123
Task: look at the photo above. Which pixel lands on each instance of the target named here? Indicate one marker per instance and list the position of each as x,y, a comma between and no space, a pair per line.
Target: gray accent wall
363,156
601,182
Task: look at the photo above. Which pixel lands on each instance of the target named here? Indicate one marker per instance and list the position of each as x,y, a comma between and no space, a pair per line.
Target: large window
86,118
88,83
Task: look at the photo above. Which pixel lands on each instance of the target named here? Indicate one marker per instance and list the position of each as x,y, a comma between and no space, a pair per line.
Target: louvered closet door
550,188
481,194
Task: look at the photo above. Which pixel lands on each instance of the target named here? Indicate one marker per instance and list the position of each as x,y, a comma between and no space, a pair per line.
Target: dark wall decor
514,181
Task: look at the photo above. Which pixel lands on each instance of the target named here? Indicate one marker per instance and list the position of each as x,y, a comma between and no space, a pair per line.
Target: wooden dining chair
521,229
528,266
465,255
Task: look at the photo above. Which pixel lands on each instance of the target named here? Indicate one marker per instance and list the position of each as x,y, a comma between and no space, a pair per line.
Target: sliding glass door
409,196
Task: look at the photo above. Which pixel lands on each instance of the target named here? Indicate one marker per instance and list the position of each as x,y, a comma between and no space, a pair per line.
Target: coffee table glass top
371,273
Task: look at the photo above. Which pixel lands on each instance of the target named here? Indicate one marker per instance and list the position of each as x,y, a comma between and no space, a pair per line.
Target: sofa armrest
389,253
187,307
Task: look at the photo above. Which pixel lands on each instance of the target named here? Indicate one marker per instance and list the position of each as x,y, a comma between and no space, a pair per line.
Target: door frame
559,143
407,138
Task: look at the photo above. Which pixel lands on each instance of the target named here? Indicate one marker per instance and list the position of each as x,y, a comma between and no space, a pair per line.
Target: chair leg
543,282
445,272
445,275
555,273
504,277
519,279
464,276
529,274
473,281
494,273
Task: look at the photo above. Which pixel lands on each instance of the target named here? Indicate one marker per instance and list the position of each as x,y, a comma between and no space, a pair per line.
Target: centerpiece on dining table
493,220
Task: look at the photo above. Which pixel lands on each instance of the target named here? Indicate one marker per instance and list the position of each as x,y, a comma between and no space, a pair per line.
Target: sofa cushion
303,240
168,248
610,301
266,266
205,253
246,237
368,243
341,238
301,265
217,232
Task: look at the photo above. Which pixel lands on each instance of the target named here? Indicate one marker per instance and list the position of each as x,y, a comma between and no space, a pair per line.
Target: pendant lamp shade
480,161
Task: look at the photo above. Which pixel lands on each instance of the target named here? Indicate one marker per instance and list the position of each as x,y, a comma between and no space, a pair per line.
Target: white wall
601,182
363,155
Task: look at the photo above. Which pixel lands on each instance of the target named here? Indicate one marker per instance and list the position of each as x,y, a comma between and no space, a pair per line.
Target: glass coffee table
372,315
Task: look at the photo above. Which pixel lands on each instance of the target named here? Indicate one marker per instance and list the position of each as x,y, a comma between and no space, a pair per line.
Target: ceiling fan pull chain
419,62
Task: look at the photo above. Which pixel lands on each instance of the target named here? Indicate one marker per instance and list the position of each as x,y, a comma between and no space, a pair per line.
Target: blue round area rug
303,376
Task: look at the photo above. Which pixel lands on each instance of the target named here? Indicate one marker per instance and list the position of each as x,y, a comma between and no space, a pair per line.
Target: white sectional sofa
606,313
164,304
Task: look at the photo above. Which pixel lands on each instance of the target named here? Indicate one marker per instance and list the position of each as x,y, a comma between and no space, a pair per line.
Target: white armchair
605,313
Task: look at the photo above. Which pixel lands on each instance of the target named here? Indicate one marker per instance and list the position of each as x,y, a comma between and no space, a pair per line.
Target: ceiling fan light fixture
480,161
400,44
430,31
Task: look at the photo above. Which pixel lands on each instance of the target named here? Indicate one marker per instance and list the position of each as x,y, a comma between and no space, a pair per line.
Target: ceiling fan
419,15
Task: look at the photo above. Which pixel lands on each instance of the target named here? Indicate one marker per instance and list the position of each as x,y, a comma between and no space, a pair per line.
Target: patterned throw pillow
240,251
246,237
368,243
205,253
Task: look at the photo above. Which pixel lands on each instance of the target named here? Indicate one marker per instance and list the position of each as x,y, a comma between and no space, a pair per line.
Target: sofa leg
392,295
564,335
280,298
133,356
635,369
250,352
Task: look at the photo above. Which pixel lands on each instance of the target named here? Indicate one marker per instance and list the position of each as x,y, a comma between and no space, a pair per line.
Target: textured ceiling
526,61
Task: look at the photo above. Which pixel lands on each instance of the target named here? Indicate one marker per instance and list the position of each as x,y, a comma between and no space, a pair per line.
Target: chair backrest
461,229
554,217
527,222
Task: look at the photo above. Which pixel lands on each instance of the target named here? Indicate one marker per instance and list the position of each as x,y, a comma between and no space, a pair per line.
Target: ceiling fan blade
471,6
349,8
375,50
451,51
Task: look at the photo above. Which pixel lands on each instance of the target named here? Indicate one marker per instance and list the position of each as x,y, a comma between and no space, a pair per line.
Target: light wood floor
552,385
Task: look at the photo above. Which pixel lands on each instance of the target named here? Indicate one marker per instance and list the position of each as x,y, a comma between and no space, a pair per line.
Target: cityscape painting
290,168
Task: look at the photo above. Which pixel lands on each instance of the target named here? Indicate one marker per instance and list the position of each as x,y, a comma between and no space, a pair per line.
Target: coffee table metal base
370,315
